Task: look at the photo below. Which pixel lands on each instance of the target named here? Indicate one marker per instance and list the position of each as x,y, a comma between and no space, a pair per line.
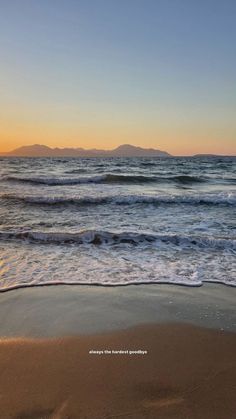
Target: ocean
117,221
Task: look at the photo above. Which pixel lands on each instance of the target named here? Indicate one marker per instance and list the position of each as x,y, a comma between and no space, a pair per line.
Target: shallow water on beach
117,221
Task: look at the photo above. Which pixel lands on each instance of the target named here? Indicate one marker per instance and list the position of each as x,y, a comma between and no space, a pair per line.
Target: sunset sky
99,73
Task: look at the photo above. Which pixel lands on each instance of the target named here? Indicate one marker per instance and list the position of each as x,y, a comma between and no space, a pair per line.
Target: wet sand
188,372
65,310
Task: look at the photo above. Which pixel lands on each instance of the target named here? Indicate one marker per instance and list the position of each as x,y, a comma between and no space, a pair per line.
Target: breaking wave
95,237
197,199
106,178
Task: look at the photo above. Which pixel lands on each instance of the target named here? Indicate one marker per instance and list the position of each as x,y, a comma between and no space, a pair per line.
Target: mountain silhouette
125,150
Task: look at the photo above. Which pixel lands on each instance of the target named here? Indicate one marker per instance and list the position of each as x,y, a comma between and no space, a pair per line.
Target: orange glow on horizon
9,144
19,128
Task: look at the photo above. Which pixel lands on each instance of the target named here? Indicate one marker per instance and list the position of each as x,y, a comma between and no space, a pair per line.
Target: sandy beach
183,372
60,359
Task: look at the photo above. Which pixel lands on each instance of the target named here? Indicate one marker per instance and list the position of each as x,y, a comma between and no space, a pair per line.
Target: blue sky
100,73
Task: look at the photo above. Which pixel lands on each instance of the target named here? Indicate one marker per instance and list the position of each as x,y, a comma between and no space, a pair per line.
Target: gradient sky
99,73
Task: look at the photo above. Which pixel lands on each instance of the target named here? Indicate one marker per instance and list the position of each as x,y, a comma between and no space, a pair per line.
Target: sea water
117,221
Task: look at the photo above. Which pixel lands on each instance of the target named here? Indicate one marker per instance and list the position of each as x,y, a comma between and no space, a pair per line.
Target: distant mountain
125,150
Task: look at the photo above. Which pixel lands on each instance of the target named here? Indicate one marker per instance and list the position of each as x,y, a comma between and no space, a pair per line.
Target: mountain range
125,150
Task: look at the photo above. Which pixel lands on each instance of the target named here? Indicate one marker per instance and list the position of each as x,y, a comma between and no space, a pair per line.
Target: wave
105,178
95,237
41,180
185,179
198,199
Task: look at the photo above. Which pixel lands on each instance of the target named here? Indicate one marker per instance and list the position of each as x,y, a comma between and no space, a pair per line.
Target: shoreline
181,375
57,311
115,285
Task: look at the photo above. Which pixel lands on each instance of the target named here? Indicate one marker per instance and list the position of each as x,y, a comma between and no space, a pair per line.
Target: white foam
96,237
188,199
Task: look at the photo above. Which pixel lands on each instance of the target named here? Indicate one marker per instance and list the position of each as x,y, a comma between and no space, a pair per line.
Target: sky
100,73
